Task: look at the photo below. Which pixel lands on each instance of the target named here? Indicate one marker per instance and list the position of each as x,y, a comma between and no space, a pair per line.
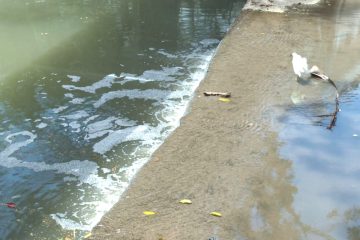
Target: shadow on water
88,90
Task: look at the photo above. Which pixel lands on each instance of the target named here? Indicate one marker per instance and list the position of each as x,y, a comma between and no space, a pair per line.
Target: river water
88,90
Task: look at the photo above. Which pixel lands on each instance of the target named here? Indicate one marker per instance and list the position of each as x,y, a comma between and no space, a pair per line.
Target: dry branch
220,94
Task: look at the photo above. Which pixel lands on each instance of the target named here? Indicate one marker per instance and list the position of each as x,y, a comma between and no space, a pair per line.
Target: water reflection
325,163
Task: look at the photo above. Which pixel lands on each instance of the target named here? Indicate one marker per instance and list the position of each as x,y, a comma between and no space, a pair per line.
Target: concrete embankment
224,156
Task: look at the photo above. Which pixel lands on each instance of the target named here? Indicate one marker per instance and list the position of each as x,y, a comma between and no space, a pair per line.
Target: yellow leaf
216,214
224,99
87,235
185,201
149,213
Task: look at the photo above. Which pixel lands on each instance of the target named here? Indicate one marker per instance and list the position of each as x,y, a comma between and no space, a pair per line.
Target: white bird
301,67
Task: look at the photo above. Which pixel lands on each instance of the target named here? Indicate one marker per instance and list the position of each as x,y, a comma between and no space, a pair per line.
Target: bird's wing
300,65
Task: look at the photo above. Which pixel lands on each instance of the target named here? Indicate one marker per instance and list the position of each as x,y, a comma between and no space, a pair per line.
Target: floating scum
301,69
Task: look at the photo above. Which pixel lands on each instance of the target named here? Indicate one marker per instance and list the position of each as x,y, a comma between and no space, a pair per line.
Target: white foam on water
278,6
74,125
74,78
69,95
100,125
143,133
86,172
105,170
41,125
168,55
91,118
210,42
61,219
108,135
69,179
148,94
59,109
99,128
166,74
106,82
163,75
97,134
170,114
128,77
77,100
80,169
150,137
16,196
16,146
125,122
77,115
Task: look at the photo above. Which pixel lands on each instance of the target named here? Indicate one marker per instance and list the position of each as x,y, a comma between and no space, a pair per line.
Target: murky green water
88,90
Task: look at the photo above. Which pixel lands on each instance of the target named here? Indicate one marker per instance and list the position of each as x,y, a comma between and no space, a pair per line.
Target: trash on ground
224,100
216,214
149,213
185,201
220,94
87,235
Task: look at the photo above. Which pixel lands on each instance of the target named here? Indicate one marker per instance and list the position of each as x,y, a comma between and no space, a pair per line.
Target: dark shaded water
88,90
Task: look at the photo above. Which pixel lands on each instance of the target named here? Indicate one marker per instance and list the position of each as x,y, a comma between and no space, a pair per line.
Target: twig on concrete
220,94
